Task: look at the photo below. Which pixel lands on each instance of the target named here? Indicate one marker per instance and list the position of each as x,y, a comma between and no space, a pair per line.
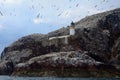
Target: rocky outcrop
58,59
95,49
6,67
63,64
95,41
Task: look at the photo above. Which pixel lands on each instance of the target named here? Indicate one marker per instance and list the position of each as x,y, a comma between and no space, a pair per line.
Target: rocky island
90,49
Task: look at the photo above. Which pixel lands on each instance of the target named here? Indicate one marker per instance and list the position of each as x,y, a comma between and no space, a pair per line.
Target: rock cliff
93,52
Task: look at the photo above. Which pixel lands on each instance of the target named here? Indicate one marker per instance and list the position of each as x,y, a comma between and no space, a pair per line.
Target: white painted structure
65,37
61,37
72,30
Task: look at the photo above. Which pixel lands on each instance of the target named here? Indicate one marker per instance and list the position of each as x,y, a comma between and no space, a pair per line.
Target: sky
19,18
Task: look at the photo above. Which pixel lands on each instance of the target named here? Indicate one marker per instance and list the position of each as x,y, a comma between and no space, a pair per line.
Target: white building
72,30
64,37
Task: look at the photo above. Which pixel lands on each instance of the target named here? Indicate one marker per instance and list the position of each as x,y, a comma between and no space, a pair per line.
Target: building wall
72,31
58,41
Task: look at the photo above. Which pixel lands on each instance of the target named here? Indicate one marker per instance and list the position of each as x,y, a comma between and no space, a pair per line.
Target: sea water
52,78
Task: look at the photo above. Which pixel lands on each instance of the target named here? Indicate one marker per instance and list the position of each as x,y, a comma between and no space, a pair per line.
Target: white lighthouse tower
72,29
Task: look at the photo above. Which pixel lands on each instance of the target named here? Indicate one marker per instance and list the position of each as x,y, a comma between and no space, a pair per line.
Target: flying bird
42,7
77,5
38,15
66,13
95,6
59,14
1,13
57,9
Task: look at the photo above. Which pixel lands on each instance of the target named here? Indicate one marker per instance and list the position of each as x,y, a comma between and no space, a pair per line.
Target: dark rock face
112,24
94,41
95,47
100,39
6,67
